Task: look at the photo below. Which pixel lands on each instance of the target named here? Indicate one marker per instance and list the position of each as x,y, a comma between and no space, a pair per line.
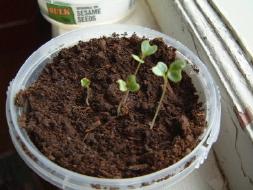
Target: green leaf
175,70
137,58
122,85
160,69
174,76
147,49
178,64
131,83
85,82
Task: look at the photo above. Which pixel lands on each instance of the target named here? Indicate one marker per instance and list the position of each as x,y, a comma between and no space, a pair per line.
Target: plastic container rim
128,28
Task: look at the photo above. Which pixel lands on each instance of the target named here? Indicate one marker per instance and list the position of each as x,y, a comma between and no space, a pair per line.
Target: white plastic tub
67,179
67,15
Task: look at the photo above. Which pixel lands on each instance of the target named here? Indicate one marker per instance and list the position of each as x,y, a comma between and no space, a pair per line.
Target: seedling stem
160,102
139,64
173,73
85,83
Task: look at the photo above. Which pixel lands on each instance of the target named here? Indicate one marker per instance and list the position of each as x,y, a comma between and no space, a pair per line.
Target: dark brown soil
93,140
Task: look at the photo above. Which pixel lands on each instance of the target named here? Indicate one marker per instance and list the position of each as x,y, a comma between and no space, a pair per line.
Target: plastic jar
66,179
67,15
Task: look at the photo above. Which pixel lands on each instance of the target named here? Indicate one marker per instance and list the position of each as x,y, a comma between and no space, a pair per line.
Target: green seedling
173,73
146,50
130,85
85,83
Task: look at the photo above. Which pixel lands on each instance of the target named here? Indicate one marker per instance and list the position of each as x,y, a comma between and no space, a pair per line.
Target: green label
61,13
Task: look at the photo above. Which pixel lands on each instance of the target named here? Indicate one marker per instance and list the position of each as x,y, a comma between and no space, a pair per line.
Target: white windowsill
239,16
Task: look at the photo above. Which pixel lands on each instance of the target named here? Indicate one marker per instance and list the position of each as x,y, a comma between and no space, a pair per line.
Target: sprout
130,85
173,73
137,58
85,83
146,50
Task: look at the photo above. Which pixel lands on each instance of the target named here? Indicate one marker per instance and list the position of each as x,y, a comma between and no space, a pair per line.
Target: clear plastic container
66,179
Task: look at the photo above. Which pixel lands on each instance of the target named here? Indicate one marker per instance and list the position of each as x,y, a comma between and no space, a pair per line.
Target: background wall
22,30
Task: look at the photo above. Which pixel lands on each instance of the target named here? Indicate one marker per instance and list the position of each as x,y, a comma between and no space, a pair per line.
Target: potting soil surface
93,140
